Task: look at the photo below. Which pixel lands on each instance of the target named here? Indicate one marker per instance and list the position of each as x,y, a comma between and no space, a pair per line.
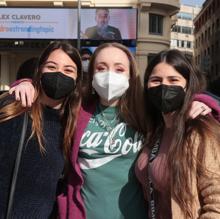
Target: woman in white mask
107,140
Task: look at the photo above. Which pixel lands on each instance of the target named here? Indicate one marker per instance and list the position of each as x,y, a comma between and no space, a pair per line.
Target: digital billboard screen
61,23
108,24
38,23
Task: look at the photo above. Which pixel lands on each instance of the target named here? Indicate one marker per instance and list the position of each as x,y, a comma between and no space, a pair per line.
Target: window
216,46
212,49
186,30
182,43
174,43
185,16
189,44
208,51
182,29
217,24
176,28
213,28
216,69
209,32
155,24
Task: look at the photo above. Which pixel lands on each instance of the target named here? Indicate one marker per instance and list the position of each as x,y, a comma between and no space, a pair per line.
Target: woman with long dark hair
179,167
51,123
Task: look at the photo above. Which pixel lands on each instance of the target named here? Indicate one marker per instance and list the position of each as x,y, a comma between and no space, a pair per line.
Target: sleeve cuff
15,83
210,102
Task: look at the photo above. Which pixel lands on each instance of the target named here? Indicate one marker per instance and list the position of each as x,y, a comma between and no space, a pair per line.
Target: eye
51,67
100,69
155,80
174,80
120,70
70,71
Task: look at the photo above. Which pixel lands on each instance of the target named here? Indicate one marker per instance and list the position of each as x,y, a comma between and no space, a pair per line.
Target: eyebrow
72,66
154,76
104,63
169,76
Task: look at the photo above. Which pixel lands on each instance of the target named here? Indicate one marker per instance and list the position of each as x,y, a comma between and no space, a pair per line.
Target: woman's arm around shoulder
211,102
23,91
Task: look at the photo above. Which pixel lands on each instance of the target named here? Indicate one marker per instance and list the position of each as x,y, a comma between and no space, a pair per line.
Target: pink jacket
71,205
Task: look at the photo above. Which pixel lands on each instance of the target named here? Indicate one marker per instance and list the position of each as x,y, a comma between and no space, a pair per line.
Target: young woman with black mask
51,122
179,167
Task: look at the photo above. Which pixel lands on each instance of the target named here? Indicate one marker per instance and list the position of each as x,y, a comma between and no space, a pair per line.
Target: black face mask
56,85
166,98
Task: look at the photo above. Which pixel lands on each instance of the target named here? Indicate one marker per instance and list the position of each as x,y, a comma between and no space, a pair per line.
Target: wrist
17,82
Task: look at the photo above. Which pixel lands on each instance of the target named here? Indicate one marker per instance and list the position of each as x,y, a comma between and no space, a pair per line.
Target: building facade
207,39
182,36
154,21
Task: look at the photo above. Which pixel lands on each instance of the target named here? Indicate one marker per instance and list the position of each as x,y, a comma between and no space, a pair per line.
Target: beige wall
146,43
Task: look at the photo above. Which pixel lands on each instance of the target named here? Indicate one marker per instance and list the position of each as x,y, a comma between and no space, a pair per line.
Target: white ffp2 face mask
110,85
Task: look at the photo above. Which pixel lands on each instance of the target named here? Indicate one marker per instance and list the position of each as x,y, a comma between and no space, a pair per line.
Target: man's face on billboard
102,18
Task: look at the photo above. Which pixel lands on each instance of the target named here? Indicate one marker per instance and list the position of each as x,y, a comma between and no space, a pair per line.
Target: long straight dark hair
183,162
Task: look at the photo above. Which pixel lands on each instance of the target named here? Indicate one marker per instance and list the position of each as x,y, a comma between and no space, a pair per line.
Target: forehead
85,55
60,57
163,70
112,55
102,12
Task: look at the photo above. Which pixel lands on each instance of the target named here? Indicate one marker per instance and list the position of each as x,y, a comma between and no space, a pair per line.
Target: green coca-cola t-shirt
108,150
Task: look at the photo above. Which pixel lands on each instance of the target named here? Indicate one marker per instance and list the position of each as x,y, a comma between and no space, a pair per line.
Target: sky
193,2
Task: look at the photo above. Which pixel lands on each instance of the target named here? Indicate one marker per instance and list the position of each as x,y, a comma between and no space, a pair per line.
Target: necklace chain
106,124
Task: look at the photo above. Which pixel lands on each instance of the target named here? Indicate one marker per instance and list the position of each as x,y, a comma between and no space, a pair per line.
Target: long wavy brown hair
203,131
70,106
130,104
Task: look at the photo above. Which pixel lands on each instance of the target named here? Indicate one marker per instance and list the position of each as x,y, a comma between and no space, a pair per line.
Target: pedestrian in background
85,56
27,68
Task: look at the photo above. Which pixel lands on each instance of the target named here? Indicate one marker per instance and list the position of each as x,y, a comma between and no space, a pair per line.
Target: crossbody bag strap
151,190
16,166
